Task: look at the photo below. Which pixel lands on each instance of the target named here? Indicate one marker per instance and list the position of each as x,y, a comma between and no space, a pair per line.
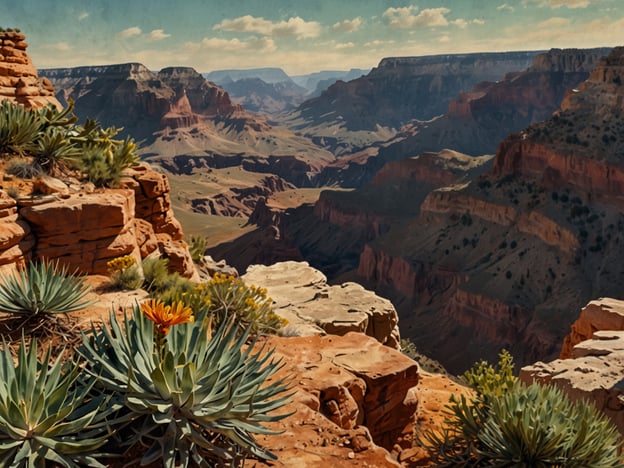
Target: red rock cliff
19,81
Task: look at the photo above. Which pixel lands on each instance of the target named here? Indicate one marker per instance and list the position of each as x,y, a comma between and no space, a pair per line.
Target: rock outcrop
590,368
85,229
240,201
601,314
302,296
353,397
19,81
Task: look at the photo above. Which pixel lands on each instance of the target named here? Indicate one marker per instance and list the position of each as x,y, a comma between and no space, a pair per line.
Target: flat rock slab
302,296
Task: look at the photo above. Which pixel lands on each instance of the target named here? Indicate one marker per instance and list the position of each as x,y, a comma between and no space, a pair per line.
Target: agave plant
43,288
48,412
19,128
54,149
195,399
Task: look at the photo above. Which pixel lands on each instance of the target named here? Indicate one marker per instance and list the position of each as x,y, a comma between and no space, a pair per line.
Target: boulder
302,296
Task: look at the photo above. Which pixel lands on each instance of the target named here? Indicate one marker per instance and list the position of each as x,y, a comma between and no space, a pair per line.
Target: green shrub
248,306
56,142
18,129
43,288
48,412
511,424
197,248
124,273
166,286
191,396
54,150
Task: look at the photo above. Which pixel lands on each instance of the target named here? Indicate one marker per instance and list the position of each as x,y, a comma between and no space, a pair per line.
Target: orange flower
164,316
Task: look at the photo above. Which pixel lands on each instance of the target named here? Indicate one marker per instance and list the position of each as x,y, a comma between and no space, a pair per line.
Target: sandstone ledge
302,296
353,396
592,369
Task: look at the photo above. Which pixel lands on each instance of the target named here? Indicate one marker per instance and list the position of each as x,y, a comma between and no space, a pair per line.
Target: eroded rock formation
311,306
19,81
592,360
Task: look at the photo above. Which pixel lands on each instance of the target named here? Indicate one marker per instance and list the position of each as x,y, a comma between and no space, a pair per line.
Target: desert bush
164,285
103,157
248,306
43,288
24,168
48,412
56,142
511,424
53,150
191,396
124,273
197,248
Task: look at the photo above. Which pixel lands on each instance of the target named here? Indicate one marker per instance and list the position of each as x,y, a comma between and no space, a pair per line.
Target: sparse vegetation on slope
511,424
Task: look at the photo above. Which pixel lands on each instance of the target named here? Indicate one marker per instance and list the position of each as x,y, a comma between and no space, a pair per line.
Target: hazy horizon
300,37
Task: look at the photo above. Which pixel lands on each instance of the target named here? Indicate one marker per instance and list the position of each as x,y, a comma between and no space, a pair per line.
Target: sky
300,36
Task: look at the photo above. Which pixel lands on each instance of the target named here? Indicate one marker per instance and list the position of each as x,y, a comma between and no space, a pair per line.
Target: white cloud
345,45
505,7
460,23
348,25
82,16
478,22
378,43
295,26
263,44
554,22
158,35
129,32
444,39
404,17
554,4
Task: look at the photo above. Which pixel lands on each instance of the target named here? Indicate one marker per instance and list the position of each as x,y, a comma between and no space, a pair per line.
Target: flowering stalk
164,317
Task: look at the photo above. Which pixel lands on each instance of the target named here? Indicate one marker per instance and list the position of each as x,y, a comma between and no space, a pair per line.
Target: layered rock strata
19,81
590,368
353,397
84,228
302,296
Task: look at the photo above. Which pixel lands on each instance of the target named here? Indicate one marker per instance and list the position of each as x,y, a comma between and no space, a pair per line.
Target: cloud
505,7
295,26
129,32
378,43
444,39
478,22
554,4
158,35
347,25
82,16
262,44
404,17
554,22
345,45
460,23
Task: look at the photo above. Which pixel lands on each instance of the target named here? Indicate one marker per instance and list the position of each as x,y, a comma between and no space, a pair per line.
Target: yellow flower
164,316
